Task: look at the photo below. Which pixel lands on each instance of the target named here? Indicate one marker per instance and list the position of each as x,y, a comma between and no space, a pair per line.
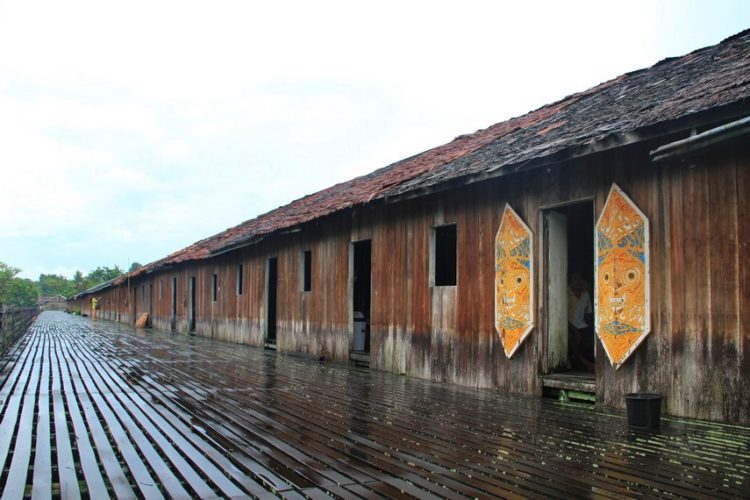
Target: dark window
445,255
239,279
213,288
307,271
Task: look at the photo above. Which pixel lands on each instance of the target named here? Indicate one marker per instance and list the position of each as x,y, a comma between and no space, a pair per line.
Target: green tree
79,282
135,266
15,291
54,284
23,293
102,274
7,275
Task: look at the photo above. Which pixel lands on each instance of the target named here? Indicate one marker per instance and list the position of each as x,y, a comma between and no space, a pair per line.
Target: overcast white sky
131,129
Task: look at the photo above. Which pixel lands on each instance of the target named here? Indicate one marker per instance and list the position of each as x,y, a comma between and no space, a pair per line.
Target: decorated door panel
514,281
622,277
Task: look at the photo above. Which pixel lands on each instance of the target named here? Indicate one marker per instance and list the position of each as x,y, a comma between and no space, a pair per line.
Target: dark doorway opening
135,305
192,304
150,303
361,294
271,293
173,322
569,263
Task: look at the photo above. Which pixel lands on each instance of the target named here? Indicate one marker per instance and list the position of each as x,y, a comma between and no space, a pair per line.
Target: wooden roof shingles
670,90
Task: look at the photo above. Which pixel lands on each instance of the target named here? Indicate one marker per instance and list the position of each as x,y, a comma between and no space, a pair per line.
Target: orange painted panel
622,277
514,281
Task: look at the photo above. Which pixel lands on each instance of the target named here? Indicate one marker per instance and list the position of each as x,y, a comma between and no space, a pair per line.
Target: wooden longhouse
407,268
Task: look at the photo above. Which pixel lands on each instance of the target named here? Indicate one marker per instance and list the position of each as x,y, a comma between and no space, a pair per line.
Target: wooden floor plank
15,482
66,470
42,478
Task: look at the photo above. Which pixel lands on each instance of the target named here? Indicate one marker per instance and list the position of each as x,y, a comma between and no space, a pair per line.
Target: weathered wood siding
698,353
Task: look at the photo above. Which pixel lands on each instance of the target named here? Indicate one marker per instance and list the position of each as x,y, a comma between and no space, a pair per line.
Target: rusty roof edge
96,288
254,240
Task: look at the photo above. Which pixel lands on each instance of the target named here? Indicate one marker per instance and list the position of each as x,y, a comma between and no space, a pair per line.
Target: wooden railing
13,323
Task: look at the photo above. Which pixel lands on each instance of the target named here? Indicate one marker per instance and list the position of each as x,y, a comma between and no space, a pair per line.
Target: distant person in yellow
94,307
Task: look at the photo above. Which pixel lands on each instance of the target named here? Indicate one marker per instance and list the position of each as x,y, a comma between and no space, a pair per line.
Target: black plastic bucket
644,410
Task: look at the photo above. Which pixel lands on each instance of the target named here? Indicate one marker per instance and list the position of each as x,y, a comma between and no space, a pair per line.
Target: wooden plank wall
698,353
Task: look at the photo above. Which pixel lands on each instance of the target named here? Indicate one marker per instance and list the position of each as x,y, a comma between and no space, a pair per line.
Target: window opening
445,255
239,279
213,287
307,271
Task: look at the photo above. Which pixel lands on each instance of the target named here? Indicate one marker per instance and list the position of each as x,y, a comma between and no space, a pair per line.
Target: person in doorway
94,307
580,321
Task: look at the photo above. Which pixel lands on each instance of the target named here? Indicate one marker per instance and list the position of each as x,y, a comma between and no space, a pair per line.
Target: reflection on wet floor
97,409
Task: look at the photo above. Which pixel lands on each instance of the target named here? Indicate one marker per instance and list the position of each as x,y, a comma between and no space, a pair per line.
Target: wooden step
571,381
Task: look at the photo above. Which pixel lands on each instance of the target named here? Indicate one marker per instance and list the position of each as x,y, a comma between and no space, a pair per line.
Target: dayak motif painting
514,281
622,277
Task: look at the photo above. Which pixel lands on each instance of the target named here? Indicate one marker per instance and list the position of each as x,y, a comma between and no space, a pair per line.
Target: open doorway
173,320
271,288
569,276
150,304
361,286
192,305
134,293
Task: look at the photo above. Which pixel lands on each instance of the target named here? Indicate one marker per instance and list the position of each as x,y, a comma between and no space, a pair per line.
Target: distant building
52,303
453,264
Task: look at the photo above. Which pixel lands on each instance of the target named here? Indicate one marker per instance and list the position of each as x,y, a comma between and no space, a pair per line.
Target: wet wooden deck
94,409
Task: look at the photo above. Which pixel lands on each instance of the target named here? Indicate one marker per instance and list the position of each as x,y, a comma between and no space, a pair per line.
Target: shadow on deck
98,409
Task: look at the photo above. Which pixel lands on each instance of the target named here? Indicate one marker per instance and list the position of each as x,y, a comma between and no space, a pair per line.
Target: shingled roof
668,92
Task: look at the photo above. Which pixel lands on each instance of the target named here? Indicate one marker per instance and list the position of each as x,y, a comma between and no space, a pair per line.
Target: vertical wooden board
377,332
486,335
483,336
743,258
606,382
466,283
423,290
649,376
696,231
672,326
725,343
411,259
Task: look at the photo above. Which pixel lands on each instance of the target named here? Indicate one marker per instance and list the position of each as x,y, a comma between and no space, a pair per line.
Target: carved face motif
622,318
621,285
